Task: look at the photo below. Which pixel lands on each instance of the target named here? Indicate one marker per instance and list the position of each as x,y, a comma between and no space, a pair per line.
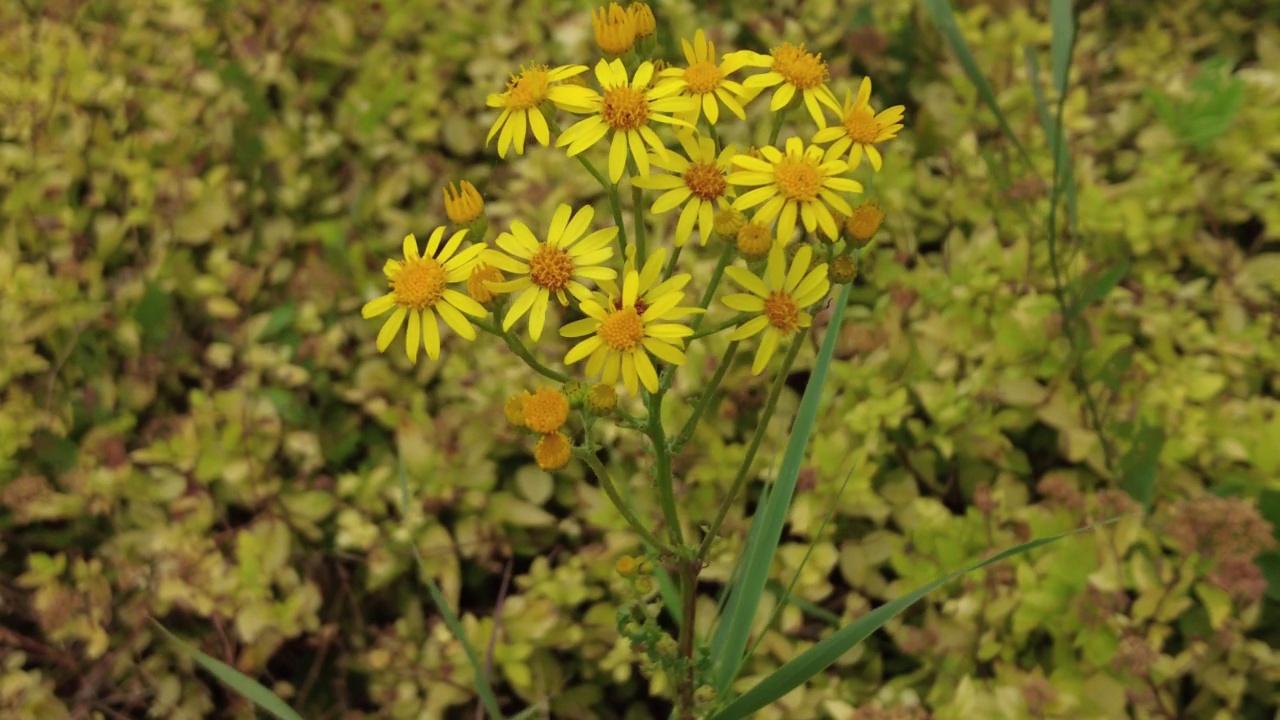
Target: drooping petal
768,344
456,320
521,306
431,334
799,266
538,315
645,369
583,349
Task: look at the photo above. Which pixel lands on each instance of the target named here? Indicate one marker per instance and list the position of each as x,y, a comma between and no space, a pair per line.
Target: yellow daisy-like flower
792,69
615,28
699,183
420,290
796,183
553,266
622,337
861,128
706,81
525,92
628,108
777,299
650,290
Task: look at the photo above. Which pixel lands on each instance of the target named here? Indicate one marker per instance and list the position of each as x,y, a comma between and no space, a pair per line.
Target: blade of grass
824,654
785,596
1062,44
483,688
773,515
250,689
944,20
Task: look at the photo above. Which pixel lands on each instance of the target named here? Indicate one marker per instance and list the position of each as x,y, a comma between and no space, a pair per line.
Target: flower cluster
784,215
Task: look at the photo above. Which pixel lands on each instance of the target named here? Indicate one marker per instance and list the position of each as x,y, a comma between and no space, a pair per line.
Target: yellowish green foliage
196,199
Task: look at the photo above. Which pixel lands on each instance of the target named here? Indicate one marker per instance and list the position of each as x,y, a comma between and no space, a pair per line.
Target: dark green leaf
244,685
1139,465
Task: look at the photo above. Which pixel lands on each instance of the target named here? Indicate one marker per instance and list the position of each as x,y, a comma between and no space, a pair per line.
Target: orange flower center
529,88
703,77
797,178
782,311
861,126
865,221
802,69
625,108
551,268
705,180
419,284
622,330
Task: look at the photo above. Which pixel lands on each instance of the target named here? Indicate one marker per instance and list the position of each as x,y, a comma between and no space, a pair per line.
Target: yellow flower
798,183
419,290
861,128
625,566
513,408
792,69
628,108
642,16
650,290
478,282
602,399
777,299
754,240
552,452
525,92
699,183
615,29
553,266
462,203
622,336
864,222
728,221
706,81
546,410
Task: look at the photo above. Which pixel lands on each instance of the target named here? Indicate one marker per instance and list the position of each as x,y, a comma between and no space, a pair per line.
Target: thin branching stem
704,402
606,483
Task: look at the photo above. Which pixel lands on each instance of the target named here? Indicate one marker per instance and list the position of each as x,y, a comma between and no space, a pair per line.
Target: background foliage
195,427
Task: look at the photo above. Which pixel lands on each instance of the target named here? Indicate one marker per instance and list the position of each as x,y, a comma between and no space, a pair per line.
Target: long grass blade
944,20
824,654
771,517
250,689
483,689
1062,44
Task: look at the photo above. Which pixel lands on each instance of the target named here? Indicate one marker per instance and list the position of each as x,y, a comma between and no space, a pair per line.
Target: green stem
761,426
662,478
671,263
688,616
704,402
606,484
735,320
726,255
637,200
522,352
616,206
778,118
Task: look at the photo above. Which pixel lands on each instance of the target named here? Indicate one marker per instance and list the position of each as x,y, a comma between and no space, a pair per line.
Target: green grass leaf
242,684
735,629
821,656
483,688
1096,287
944,20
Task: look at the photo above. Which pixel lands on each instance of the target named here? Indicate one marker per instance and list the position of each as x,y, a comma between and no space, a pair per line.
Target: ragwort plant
790,223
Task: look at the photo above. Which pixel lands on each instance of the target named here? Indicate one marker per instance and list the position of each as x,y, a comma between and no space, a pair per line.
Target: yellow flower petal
378,306
391,328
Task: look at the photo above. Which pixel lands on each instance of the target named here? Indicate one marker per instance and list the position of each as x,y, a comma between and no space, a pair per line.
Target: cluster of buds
618,30
857,232
545,411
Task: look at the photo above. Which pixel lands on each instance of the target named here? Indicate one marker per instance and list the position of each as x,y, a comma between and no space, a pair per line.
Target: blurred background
195,427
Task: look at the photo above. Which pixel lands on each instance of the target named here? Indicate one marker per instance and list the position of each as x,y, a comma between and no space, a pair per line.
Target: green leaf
154,314
1063,28
246,686
1097,287
821,656
483,688
944,20
735,629
1139,464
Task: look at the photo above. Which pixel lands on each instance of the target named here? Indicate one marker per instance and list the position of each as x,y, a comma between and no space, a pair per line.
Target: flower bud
602,399
552,452
843,269
864,223
615,29
546,410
